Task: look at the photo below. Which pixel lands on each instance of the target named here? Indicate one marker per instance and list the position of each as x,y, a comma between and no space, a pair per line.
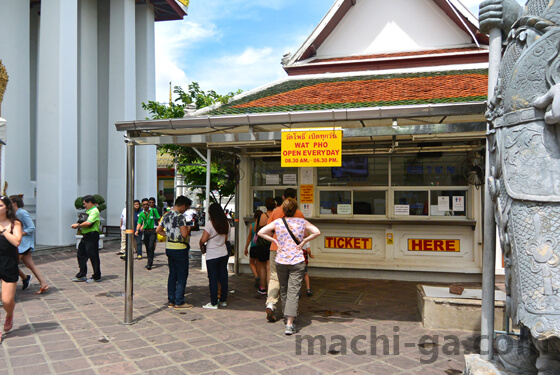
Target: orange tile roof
364,91
400,54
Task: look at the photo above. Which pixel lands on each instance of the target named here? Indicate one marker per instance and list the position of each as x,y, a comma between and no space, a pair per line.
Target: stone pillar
57,116
14,52
122,101
146,159
88,163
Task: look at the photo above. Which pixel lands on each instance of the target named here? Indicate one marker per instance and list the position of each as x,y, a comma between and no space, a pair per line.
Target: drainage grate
337,296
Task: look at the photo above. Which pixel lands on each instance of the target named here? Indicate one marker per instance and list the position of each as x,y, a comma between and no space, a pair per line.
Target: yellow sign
434,245
360,243
389,238
306,193
184,2
312,148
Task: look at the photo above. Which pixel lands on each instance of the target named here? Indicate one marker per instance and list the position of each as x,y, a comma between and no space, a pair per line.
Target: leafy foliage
224,164
99,201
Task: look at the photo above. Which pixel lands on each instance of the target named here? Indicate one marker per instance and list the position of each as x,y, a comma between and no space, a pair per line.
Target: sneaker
290,330
270,313
123,257
309,293
148,268
122,252
79,279
210,306
184,305
92,280
26,282
257,282
139,257
261,291
222,304
171,304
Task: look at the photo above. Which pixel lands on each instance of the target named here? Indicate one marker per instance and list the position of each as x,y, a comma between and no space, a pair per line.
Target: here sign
312,148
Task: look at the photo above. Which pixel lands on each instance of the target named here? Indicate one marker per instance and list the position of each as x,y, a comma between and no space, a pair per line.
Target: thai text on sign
312,148
306,194
433,245
361,243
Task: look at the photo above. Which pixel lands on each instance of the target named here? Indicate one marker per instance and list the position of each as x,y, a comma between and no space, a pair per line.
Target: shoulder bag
259,240
290,231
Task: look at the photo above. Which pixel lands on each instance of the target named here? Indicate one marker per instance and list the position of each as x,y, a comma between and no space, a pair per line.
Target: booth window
356,171
428,169
268,172
336,202
414,202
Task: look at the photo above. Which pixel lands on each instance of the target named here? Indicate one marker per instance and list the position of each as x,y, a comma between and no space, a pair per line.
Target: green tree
224,171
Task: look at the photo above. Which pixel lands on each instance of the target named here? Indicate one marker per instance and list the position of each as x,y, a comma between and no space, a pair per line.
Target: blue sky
227,45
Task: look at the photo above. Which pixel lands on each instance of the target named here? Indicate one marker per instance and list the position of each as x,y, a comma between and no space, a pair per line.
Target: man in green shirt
147,222
89,244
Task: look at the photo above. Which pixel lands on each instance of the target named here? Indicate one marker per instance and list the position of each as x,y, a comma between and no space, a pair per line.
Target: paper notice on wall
402,210
273,179
306,176
307,209
306,194
443,204
458,203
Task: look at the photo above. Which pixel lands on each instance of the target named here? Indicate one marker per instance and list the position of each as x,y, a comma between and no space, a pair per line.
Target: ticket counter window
356,171
268,172
428,170
369,203
417,202
336,202
448,203
259,197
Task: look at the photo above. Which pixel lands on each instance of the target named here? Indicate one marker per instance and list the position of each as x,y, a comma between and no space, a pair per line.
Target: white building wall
381,26
88,156
146,159
122,100
14,53
57,118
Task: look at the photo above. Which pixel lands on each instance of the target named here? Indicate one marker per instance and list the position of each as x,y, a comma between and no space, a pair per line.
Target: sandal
9,323
43,289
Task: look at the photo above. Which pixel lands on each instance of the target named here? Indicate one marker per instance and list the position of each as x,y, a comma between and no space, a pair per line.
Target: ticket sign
312,148
359,243
433,245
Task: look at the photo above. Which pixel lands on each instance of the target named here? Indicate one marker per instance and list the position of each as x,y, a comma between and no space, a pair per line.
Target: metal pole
236,223
130,242
489,254
208,174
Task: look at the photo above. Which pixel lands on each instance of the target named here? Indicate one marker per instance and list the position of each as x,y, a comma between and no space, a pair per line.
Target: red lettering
340,243
450,246
416,244
358,243
428,245
348,243
438,246
329,241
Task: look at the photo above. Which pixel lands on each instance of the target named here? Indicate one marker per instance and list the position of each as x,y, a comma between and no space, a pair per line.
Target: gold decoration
3,83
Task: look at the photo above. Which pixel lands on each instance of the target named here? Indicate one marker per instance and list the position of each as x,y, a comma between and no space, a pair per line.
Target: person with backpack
147,220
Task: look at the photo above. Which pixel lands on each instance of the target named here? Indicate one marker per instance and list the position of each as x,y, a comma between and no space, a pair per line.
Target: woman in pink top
290,262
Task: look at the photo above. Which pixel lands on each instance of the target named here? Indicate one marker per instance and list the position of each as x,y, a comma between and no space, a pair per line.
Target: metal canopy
415,122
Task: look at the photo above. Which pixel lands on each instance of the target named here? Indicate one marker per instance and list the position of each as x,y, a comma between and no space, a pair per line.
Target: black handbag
230,249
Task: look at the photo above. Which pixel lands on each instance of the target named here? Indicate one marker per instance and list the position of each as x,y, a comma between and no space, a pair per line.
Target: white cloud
249,69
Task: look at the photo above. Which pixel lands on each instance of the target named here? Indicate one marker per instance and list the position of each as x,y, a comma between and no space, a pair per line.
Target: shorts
9,270
263,253
253,252
27,252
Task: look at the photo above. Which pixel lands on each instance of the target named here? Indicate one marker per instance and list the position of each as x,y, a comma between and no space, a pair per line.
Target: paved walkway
77,328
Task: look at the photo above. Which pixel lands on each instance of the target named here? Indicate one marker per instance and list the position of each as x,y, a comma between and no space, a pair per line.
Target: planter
79,238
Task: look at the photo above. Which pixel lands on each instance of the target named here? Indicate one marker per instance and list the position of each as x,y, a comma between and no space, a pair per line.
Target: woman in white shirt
215,236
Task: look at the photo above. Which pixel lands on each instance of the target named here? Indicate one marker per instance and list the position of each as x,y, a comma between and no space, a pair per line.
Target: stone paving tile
78,328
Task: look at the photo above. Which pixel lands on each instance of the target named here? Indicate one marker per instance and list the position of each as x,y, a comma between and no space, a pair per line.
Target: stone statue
524,178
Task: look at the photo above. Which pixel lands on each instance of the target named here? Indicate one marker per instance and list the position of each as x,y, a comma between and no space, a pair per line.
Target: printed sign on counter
273,179
306,176
458,203
306,194
344,209
311,148
423,244
360,243
402,210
